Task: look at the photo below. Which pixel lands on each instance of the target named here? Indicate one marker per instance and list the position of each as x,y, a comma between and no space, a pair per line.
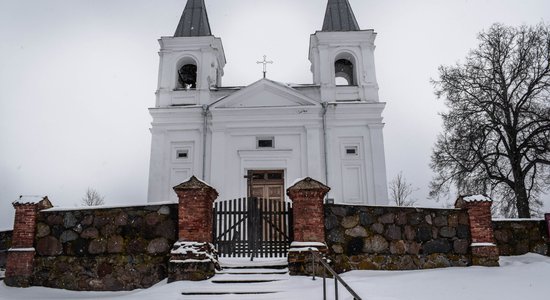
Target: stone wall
104,249
517,237
5,243
396,238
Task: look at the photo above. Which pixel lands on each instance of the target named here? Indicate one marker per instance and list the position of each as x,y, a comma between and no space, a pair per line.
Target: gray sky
77,77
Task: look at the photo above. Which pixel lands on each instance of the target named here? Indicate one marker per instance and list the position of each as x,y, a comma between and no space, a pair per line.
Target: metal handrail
337,278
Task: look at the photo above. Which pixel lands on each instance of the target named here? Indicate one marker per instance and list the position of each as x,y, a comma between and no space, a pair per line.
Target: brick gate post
194,257
19,265
547,219
484,248
308,212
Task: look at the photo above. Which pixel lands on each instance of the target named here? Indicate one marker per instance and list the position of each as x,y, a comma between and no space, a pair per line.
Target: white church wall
347,172
241,154
361,177
174,131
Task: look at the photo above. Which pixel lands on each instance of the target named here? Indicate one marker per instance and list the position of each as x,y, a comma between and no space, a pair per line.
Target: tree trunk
522,201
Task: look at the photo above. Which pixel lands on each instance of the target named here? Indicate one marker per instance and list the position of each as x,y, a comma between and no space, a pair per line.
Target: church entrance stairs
243,279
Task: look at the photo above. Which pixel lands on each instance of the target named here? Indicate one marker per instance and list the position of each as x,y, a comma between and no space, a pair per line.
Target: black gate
252,227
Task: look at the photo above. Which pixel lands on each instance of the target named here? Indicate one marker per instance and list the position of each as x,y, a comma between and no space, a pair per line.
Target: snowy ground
520,277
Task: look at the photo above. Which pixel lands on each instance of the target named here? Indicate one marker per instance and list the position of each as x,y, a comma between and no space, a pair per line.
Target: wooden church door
266,184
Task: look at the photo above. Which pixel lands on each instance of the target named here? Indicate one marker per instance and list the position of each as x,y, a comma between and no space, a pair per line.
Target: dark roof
194,20
339,17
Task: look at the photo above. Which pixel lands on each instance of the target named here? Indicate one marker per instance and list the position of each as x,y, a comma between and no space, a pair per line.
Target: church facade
258,139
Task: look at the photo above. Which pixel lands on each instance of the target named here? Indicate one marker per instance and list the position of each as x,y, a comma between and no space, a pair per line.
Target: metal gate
252,227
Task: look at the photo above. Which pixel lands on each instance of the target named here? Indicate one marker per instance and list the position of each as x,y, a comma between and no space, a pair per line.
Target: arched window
343,69
187,76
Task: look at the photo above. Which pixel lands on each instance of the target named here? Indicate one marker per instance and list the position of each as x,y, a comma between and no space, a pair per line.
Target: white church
258,139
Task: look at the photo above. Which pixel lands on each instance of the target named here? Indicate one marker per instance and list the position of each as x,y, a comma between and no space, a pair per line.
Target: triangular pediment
265,93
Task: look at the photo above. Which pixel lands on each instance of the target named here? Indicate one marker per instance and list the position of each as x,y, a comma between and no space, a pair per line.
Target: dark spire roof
194,20
340,17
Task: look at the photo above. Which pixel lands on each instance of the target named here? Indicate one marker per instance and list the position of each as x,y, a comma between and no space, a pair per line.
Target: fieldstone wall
5,244
104,249
518,237
396,238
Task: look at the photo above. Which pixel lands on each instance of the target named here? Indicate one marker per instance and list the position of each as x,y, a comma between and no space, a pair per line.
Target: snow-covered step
239,271
262,296
242,279
257,263
233,289
248,278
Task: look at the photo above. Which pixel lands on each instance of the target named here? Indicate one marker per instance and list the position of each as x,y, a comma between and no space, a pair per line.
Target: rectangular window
182,154
351,150
274,176
265,142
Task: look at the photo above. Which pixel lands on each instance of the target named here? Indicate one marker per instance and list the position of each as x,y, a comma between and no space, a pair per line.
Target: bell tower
191,61
342,57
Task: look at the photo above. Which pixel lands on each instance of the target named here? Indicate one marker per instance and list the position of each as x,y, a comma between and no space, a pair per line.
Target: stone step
208,293
257,263
234,296
242,282
232,289
248,278
246,271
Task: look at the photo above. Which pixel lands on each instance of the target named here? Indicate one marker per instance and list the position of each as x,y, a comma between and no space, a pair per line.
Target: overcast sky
77,77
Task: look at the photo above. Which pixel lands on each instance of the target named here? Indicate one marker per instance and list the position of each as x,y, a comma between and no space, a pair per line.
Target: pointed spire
339,17
194,20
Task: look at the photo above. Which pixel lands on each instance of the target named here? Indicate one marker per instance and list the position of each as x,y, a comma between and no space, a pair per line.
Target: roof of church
194,20
339,17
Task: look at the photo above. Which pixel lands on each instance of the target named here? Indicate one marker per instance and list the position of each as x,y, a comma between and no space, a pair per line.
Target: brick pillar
194,257
483,247
308,213
19,265
547,218
196,201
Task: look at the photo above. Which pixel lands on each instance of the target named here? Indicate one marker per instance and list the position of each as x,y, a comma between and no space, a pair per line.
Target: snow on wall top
22,200
98,207
308,183
473,198
193,183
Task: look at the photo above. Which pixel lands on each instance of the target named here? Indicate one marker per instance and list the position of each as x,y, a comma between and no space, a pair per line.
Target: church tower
342,57
191,61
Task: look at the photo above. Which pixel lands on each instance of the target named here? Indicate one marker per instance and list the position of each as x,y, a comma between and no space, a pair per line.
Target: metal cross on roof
265,62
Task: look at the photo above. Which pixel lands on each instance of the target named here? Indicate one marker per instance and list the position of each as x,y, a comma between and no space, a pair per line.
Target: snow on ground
520,277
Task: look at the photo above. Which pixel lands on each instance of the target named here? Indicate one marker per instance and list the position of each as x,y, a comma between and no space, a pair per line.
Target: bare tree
401,190
92,198
496,132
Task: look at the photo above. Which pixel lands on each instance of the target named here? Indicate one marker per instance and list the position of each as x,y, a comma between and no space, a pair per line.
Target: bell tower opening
187,69
187,76
344,70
